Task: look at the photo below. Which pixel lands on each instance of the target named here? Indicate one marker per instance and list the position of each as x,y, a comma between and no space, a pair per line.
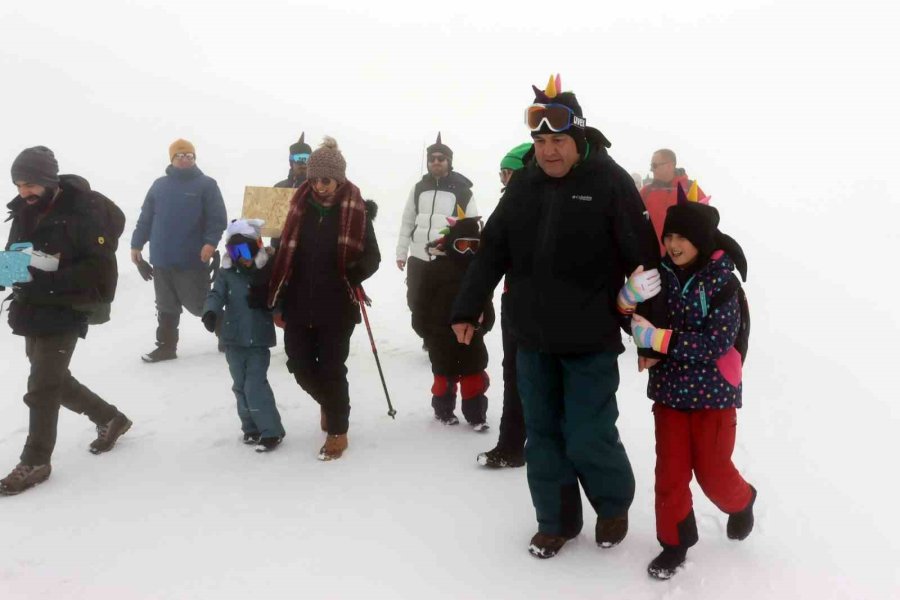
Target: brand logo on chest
582,198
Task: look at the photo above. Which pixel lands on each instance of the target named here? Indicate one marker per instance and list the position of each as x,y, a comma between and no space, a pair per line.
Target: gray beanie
327,161
36,165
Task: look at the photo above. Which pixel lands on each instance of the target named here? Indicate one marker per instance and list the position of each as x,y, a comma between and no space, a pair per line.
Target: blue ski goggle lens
239,251
301,158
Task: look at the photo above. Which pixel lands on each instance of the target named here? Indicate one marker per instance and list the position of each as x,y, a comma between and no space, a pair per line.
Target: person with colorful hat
452,363
696,386
298,157
328,248
441,193
237,301
183,217
61,216
566,233
510,449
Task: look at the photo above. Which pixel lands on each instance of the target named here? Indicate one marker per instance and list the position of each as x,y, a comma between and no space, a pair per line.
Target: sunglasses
238,251
187,155
437,158
326,181
301,158
558,117
464,245
654,166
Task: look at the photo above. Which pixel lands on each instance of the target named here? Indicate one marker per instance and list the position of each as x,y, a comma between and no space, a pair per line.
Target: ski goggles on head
558,117
300,157
464,245
239,251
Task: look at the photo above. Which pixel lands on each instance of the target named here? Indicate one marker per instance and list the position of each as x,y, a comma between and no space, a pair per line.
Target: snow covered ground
783,112
182,509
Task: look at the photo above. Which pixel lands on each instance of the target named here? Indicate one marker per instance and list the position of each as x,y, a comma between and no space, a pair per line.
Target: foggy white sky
738,92
784,111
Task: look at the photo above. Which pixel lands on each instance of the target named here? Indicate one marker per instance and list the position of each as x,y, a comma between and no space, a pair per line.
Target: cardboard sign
270,204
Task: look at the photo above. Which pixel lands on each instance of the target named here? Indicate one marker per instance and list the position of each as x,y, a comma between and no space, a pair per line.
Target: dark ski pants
570,421
415,272
255,401
51,385
317,357
512,421
698,441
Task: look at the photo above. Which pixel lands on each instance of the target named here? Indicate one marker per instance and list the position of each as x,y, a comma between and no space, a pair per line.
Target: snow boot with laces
110,432
23,477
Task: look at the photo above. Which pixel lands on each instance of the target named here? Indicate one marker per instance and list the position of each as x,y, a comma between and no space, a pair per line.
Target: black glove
145,269
40,280
209,321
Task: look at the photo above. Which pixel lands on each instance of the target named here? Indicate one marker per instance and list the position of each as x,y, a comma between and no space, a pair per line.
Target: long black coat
72,230
566,246
441,280
316,294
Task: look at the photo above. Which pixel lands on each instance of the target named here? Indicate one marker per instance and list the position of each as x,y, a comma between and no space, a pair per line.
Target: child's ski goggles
238,251
301,158
463,245
558,117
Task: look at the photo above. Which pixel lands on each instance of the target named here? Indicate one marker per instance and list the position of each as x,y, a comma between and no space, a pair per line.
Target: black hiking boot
610,532
498,458
108,434
446,418
667,562
166,339
740,524
251,439
267,444
23,477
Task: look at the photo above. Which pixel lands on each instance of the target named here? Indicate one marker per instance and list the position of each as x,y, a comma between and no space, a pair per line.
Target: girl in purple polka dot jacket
695,378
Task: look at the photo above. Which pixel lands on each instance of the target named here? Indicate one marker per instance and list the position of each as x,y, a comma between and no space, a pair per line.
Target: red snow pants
699,441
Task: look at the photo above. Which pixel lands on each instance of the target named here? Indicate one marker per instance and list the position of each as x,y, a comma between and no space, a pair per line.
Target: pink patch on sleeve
729,365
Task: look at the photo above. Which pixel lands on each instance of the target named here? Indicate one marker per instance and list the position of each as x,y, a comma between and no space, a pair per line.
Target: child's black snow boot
740,524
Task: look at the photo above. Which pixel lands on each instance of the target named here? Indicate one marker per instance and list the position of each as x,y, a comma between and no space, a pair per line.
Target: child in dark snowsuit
452,362
696,384
248,331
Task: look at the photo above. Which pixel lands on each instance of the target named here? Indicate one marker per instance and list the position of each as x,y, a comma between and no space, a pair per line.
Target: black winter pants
317,357
415,272
512,421
51,385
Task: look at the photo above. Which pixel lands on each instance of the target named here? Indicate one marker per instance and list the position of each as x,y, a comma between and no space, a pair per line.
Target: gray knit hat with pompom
327,161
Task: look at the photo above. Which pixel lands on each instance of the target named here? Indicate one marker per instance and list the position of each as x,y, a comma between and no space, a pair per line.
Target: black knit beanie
36,165
699,223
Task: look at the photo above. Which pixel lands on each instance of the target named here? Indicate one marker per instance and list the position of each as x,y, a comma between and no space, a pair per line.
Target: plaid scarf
351,237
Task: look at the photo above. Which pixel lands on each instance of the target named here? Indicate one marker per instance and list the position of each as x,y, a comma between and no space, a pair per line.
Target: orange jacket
658,197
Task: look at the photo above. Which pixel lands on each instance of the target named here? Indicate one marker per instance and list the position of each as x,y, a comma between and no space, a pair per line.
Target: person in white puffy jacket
441,193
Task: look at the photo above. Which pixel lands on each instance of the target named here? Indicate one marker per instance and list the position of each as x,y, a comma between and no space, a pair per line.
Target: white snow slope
181,509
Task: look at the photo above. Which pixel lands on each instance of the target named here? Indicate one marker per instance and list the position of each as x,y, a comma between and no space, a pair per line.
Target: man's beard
40,203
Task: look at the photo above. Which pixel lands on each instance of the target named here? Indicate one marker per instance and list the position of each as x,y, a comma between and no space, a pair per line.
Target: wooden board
267,203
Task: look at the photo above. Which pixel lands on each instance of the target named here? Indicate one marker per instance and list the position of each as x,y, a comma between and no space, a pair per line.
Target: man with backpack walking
62,217
183,217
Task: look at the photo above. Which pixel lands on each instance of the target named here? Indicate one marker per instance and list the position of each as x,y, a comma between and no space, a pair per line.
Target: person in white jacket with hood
440,194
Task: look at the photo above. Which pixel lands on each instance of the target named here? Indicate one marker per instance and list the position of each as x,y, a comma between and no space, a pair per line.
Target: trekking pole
361,297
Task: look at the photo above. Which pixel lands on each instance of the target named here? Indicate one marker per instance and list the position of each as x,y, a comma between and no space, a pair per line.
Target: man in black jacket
60,216
568,230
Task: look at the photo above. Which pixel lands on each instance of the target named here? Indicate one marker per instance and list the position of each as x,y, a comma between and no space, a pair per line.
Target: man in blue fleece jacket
183,218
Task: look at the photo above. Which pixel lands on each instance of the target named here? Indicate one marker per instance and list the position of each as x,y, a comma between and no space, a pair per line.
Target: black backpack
112,221
731,288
